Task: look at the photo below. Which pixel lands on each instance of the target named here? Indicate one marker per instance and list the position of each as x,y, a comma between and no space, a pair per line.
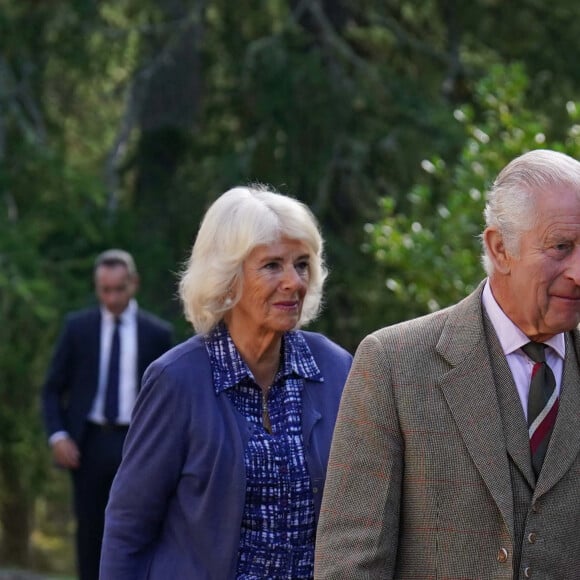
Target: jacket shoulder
465,313
427,324
320,344
332,359
85,315
181,359
154,320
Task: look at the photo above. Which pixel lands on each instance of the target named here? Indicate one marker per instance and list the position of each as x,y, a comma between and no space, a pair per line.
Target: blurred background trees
121,120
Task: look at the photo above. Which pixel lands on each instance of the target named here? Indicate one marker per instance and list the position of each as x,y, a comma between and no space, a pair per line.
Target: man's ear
135,280
496,250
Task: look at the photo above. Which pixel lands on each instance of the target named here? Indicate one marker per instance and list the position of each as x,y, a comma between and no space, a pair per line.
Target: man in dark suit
456,452
90,389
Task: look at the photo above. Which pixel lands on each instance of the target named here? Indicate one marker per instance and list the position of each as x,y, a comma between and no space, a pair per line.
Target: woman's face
275,282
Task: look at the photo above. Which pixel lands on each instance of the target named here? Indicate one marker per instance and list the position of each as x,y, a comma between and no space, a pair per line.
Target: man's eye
563,247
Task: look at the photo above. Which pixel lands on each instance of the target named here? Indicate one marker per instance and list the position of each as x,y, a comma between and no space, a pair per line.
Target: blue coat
176,504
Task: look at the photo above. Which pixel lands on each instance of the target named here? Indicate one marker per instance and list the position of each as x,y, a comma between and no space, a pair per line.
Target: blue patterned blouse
278,525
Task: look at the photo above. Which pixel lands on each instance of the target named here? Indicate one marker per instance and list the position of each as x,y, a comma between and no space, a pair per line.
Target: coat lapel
93,349
147,349
515,427
141,348
564,443
470,392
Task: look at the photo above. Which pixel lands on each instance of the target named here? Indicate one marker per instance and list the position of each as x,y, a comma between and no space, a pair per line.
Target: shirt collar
229,369
510,336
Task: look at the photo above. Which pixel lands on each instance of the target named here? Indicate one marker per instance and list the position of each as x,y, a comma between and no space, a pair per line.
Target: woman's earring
228,301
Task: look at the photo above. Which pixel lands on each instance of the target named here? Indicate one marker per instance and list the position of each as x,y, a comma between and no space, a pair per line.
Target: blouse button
502,555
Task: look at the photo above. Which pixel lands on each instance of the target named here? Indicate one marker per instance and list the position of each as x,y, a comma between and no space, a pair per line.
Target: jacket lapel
564,443
92,337
144,345
515,427
470,392
141,341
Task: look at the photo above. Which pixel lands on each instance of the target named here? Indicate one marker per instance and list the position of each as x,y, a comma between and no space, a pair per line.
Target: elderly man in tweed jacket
432,472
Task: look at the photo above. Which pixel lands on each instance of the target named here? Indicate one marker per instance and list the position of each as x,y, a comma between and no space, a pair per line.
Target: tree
49,209
427,246
121,120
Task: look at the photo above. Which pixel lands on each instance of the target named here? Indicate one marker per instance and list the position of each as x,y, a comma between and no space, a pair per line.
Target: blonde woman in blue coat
225,459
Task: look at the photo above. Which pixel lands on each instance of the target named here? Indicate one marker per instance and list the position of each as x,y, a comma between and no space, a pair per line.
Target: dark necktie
542,404
112,391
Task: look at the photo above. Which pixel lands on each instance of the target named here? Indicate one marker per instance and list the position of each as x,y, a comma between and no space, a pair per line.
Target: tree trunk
170,102
15,516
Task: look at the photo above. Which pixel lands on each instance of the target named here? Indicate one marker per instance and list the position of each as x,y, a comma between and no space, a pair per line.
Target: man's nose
574,269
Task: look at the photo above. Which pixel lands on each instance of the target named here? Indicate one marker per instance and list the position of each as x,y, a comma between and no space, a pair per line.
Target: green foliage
427,246
342,108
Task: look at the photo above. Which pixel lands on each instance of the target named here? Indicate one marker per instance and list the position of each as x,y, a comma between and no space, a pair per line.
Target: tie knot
535,350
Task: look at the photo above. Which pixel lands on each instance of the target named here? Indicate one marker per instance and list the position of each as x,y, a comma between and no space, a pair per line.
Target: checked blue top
278,524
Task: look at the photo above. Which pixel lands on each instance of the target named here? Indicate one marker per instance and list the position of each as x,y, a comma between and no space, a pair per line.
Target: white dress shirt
128,364
512,339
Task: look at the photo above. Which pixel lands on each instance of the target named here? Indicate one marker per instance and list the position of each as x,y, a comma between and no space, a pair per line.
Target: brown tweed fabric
428,477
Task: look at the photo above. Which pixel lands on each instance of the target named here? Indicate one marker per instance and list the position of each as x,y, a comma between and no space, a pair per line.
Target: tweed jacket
426,477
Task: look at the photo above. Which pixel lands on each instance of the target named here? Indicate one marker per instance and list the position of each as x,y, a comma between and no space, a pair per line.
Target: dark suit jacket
72,380
429,474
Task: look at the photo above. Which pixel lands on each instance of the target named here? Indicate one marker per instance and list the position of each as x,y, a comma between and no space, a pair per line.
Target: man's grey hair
511,201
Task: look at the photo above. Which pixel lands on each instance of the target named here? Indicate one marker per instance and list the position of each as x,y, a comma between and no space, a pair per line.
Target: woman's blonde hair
238,221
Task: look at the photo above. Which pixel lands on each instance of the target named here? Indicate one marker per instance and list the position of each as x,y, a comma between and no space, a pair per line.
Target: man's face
114,287
543,285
